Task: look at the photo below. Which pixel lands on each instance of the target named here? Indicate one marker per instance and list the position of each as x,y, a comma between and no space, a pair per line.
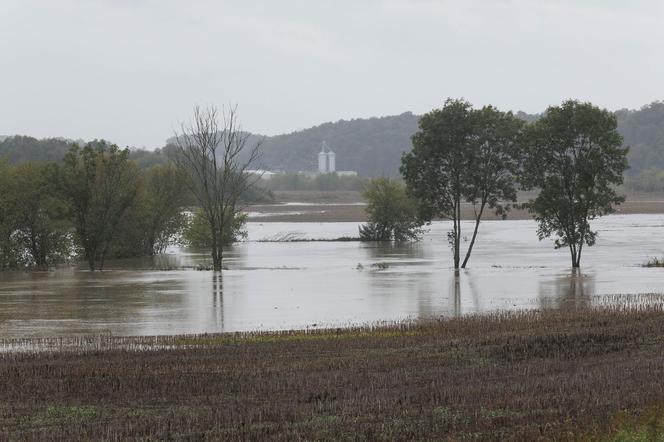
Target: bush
392,213
197,234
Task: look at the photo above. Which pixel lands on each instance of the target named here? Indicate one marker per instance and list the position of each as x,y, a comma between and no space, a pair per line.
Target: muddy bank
348,206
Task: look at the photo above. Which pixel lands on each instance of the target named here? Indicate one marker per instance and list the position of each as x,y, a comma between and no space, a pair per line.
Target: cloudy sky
130,70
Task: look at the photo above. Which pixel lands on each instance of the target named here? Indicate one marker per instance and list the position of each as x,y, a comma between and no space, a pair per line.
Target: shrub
392,213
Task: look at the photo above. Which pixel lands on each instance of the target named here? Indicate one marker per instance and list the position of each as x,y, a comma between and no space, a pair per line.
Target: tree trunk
455,244
578,255
457,234
217,254
90,254
102,259
575,258
216,257
457,293
472,241
220,251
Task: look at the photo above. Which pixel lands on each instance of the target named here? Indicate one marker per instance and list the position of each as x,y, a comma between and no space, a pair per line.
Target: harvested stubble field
592,374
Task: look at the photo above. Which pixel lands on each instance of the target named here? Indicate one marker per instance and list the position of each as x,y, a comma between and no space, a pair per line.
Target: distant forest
373,146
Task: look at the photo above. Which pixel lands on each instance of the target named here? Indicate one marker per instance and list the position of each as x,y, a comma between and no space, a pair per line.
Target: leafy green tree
100,184
494,165
19,149
43,231
461,155
156,217
650,180
392,213
434,170
8,219
574,156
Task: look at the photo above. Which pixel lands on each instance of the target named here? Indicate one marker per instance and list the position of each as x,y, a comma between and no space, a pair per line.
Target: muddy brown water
276,285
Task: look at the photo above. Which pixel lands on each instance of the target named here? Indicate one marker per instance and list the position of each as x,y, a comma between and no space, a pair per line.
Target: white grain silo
326,159
322,162
331,162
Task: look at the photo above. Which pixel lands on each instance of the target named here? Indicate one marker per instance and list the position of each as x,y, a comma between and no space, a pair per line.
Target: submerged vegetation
95,205
391,212
590,374
654,262
98,204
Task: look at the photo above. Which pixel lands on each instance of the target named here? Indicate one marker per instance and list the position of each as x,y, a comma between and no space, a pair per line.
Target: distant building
326,160
262,174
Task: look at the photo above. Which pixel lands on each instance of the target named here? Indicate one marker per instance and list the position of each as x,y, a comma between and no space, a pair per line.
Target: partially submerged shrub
198,234
392,213
654,262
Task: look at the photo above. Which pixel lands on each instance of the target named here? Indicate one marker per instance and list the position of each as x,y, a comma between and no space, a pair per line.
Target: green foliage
462,155
323,182
34,231
573,155
42,231
156,217
643,131
392,213
100,185
198,234
19,149
650,180
9,254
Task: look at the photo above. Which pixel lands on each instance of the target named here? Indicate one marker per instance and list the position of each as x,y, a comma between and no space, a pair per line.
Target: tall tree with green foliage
8,218
574,156
42,230
461,155
494,164
156,217
435,169
100,184
392,213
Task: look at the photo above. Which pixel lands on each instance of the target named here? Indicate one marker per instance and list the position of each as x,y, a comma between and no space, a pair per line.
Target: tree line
98,204
373,146
572,157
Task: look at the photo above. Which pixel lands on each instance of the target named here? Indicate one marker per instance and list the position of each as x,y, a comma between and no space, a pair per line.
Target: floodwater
282,285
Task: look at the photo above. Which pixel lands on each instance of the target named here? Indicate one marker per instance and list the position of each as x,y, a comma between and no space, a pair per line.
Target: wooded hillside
372,146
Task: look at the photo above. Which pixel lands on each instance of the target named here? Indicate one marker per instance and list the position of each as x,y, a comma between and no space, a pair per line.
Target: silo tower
326,159
331,162
322,160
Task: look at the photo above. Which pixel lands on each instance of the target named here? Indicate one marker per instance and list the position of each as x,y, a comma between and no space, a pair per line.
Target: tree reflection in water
569,290
218,299
463,277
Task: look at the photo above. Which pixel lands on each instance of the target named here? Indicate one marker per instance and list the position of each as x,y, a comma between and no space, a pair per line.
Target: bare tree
214,151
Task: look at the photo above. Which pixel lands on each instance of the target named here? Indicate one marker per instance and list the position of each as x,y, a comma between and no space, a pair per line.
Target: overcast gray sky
130,70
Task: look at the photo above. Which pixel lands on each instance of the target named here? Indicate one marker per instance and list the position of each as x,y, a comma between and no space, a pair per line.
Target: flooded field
277,285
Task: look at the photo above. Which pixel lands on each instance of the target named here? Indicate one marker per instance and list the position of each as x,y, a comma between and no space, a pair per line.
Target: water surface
273,285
